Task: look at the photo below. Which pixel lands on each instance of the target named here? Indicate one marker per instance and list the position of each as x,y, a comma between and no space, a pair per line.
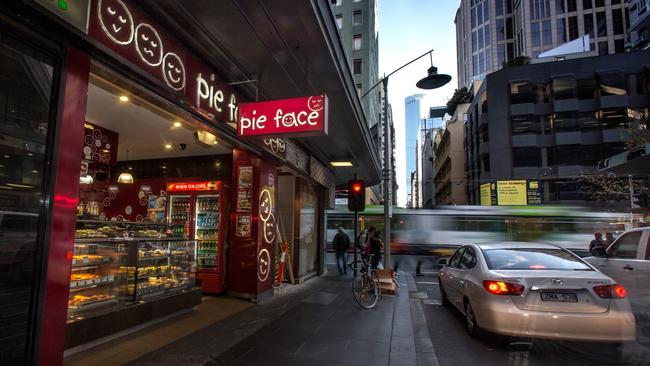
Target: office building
412,115
491,32
433,122
554,122
449,163
639,31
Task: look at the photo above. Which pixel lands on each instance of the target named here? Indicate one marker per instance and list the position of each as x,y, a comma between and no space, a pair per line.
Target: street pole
386,175
356,245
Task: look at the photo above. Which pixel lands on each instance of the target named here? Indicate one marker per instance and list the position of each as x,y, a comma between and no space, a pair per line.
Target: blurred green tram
441,230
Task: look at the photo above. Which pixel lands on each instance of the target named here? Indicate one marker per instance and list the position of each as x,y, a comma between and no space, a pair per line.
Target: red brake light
503,288
611,291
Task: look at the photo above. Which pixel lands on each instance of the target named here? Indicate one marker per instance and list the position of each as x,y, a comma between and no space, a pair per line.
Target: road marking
431,302
428,283
418,295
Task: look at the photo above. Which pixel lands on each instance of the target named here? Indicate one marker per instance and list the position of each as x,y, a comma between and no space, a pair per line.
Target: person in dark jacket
341,244
375,248
596,243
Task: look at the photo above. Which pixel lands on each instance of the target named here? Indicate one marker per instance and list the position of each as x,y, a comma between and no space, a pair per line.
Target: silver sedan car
535,290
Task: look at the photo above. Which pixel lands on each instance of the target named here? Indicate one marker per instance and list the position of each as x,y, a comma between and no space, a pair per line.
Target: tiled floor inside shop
130,347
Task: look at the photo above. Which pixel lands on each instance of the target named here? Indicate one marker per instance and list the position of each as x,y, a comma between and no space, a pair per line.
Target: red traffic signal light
356,195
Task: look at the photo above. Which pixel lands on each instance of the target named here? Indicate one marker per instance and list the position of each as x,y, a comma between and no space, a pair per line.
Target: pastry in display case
117,263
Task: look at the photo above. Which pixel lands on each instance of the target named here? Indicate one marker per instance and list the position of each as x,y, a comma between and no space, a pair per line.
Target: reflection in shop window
566,122
612,84
564,88
585,89
613,118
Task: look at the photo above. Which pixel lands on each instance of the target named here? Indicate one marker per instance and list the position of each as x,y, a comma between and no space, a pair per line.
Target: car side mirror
443,261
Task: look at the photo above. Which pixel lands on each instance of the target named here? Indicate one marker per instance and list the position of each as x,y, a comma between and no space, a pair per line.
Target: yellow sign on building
510,193
486,195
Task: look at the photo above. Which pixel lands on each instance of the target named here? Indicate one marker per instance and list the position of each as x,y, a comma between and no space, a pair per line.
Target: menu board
244,204
244,225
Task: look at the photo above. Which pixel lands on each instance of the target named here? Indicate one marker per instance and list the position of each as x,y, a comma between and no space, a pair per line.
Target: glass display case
117,263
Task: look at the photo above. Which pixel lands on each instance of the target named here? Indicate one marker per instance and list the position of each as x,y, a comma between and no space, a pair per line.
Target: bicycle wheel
365,291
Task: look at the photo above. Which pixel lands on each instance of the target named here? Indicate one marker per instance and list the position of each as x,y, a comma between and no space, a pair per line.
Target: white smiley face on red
116,21
173,71
148,44
316,103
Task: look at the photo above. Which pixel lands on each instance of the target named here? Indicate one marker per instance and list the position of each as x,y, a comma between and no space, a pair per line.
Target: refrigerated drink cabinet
198,208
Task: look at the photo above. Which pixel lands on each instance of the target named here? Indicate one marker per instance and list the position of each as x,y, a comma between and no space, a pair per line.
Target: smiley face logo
264,265
148,44
173,71
266,205
116,21
269,229
316,103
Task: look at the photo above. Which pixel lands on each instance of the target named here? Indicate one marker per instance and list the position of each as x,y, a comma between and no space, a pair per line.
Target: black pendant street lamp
432,81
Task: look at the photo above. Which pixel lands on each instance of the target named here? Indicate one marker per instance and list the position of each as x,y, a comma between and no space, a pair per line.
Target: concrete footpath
316,323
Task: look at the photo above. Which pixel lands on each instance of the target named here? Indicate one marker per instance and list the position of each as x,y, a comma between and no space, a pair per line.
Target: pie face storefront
125,190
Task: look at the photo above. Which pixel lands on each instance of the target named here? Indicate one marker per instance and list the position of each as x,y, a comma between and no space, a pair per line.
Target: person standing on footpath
375,248
363,240
341,244
596,243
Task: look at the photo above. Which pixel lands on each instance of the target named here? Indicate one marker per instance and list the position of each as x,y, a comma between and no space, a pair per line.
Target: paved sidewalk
316,323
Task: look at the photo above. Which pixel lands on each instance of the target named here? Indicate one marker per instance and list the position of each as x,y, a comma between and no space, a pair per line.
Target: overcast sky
407,29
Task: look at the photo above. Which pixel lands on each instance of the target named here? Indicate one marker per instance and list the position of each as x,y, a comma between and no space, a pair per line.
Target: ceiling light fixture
177,124
205,138
124,98
341,164
168,146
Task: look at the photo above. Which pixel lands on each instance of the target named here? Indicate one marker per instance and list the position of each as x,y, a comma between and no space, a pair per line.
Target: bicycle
365,286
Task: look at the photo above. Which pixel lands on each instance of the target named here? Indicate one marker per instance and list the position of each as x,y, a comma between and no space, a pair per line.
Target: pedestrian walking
341,244
609,239
375,248
596,243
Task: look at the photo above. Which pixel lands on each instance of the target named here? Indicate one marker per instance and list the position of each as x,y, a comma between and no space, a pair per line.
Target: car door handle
628,267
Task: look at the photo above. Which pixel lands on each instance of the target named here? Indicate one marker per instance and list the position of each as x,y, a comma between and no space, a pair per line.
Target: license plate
559,296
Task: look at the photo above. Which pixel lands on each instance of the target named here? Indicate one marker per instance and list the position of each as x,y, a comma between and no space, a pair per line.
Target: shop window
307,198
357,66
356,42
566,122
612,84
585,89
526,157
525,125
613,118
564,88
26,100
588,121
339,20
357,17
520,92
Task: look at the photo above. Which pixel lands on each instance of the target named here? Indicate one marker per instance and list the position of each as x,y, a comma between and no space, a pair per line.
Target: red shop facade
125,191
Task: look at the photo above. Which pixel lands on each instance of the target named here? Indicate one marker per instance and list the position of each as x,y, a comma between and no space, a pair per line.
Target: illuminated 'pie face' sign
263,265
116,21
316,103
269,229
266,205
173,71
148,44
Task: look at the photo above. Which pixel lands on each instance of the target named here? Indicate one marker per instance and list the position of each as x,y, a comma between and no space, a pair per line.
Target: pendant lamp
125,177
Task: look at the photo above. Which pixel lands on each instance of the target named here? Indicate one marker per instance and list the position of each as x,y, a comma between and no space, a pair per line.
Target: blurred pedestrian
375,248
609,239
596,243
364,240
341,245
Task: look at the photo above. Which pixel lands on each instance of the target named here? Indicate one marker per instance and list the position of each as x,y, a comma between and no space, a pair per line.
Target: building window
566,122
635,84
541,94
589,24
613,118
617,20
357,17
339,21
525,125
336,2
520,92
612,84
568,155
588,121
600,3
564,88
358,63
619,45
587,4
356,42
573,28
601,23
359,89
603,49
571,5
526,157
561,30
559,8
585,89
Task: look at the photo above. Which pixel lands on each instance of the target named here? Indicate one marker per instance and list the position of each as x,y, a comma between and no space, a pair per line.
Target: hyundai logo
556,281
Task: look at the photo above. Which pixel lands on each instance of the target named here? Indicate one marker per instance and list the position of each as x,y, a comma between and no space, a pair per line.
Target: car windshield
534,259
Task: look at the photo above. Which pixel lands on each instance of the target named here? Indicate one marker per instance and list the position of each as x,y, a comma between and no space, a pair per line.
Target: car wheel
471,326
443,296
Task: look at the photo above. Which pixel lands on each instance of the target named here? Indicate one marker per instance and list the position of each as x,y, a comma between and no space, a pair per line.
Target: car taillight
503,288
611,291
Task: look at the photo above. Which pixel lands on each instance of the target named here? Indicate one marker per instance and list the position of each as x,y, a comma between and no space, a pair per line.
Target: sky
407,29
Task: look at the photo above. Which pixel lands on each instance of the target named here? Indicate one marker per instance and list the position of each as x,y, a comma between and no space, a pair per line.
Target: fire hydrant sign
304,116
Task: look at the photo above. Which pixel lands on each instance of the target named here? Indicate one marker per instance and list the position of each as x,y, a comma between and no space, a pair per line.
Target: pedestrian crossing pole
356,223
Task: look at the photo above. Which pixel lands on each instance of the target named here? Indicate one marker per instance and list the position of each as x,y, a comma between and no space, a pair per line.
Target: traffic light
356,195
